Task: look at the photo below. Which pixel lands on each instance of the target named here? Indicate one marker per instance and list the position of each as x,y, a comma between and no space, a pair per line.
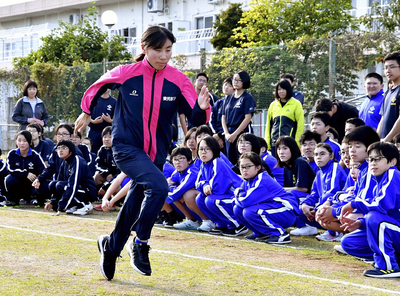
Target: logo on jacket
30,165
109,107
134,93
169,99
371,110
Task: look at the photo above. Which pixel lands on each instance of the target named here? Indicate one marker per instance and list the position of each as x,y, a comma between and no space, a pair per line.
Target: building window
204,22
127,33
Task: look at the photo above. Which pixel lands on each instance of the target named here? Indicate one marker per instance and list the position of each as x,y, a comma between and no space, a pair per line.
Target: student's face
284,153
348,128
201,137
227,89
244,146
32,91
22,143
107,140
205,152
322,156
354,170
180,163
191,142
392,70
75,139
282,92
237,82
307,148
378,164
63,152
318,126
87,143
34,133
372,86
345,154
200,82
331,136
247,169
159,58
357,151
63,134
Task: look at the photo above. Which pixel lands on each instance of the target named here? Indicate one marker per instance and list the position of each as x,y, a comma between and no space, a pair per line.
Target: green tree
226,22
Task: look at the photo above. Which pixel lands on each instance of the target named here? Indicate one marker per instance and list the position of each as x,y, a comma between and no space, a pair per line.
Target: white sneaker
339,249
71,210
306,230
187,225
329,238
206,226
83,211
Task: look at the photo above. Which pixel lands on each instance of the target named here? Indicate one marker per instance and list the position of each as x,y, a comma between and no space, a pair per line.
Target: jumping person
151,92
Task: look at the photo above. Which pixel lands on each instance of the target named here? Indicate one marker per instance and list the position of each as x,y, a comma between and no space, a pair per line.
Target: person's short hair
228,80
27,135
393,56
253,139
286,86
374,75
204,129
288,76
36,126
202,74
308,136
263,143
334,132
253,157
325,146
189,133
106,131
213,144
323,105
293,147
245,77
396,139
79,135
323,116
27,85
185,151
364,134
89,139
345,139
355,121
67,143
387,149
67,126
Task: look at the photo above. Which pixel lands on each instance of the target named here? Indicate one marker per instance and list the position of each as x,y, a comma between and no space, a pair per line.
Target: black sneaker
282,239
218,230
262,238
159,221
139,254
380,273
107,260
11,204
236,231
172,218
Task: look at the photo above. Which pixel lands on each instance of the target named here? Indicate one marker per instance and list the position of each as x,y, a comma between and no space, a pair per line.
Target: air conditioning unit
155,6
74,19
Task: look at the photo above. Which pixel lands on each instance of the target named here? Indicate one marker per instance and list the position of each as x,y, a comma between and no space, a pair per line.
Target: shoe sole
101,250
395,275
279,243
130,254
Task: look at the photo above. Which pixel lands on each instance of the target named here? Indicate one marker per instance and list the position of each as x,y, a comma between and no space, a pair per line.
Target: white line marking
224,261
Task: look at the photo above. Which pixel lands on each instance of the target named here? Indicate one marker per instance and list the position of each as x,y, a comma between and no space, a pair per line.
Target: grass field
45,255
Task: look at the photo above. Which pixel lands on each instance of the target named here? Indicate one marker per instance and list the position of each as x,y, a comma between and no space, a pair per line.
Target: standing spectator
285,116
100,118
338,111
371,106
389,126
30,109
298,95
237,111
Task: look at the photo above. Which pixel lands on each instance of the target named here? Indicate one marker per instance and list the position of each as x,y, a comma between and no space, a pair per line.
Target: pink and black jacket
148,100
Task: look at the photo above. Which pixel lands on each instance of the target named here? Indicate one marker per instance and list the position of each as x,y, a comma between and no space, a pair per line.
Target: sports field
45,255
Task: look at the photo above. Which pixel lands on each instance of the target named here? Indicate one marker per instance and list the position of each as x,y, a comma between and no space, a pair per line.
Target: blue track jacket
19,166
183,182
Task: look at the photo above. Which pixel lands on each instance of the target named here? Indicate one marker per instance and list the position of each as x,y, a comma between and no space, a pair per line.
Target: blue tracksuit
44,149
272,162
370,109
218,206
263,206
378,238
184,181
88,157
105,163
216,117
335,148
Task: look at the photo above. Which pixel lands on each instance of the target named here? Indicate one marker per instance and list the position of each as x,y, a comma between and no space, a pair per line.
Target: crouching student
262,205
376,236
74,189
216,183
271,161
330,179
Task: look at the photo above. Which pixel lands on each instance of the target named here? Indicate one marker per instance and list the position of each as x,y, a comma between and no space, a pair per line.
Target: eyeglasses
61,148
375,159
391,67
244,143
206,149
202,80
63,134
178,159
247,167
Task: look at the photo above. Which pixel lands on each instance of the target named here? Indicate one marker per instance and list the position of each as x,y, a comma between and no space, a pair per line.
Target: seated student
320,123
105,165
351,124
333,134
262,205
87,155
299,176
121,183
378,235
3,174
330,179
272,162
216,183
308,141
40,146
344,155
248,142
74,189
24,165
190,141
49,142
327,214
88,142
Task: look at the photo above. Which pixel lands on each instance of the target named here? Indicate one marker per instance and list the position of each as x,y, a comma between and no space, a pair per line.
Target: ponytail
139,57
